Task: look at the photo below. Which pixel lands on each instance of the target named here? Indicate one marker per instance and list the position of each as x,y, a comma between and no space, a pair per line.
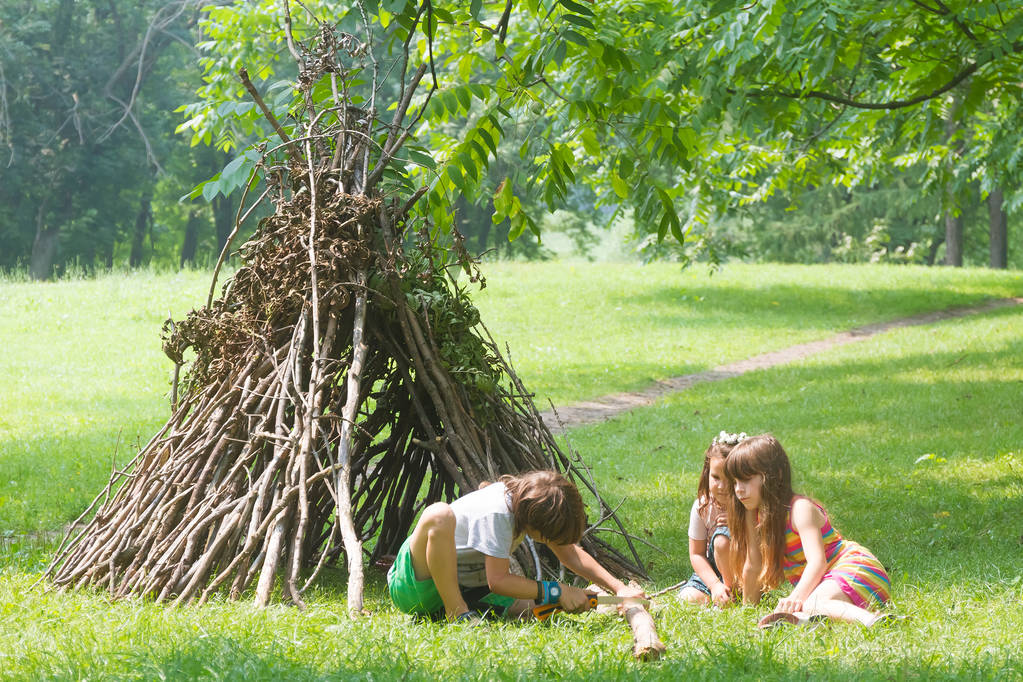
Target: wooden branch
353,546
943,11
238,220
267,114
888,106
274,545
646,645
393,142
288,33
502,24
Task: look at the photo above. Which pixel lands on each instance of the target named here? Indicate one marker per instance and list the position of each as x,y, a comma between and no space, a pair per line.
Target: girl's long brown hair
548,503
761,455
716,449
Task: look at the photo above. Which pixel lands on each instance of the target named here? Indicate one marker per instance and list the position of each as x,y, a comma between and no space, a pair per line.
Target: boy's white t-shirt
484,526
701,526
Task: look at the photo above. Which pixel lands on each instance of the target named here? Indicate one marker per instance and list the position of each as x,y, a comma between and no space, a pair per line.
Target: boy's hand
631,591
573,599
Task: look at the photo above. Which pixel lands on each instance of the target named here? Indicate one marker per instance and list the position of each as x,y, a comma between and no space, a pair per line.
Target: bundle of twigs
340,383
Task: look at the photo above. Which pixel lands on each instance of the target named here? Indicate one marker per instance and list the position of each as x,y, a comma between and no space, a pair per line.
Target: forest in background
99,168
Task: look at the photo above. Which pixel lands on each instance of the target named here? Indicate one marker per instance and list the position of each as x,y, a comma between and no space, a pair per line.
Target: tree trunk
953,223
474,223
953,240
932,252
142,221
484,236
223,219
999,221
44,247
188,246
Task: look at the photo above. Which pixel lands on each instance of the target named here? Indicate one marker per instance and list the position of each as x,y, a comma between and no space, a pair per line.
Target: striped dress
858,572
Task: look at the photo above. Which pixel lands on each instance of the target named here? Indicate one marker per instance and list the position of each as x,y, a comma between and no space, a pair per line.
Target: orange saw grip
542,613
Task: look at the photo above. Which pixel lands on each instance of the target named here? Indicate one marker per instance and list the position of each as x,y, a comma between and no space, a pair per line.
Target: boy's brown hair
548,503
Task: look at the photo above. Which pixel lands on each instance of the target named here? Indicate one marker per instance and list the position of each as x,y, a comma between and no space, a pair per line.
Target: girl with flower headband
779,533
709,540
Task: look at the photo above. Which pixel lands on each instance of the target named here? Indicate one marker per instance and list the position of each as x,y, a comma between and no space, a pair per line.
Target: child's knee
722,544
691,595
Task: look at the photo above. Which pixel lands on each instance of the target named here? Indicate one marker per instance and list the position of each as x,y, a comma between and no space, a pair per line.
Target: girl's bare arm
753,562
807,520
698,558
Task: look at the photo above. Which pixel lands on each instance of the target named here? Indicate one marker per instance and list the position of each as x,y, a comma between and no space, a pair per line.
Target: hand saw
544,612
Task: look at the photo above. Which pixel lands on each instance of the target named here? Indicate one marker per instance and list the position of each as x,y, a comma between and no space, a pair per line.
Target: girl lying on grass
709,539
459,554
781,533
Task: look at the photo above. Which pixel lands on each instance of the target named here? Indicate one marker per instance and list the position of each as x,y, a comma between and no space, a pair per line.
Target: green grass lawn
913,440
584,330
82,375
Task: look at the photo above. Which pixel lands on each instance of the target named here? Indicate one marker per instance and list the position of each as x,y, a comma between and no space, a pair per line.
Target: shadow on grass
48,480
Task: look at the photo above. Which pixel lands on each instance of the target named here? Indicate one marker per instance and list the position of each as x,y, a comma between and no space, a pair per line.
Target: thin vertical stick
342,482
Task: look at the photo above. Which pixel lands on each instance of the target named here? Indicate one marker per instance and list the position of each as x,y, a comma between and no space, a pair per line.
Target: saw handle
545,611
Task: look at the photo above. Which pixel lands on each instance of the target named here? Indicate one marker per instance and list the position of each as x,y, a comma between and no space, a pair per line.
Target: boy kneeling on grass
457,560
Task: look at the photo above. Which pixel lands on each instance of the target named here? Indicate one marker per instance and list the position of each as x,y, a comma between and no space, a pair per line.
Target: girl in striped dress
783,534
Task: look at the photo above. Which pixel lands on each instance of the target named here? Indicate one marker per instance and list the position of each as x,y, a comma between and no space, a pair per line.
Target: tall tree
999,229
953,211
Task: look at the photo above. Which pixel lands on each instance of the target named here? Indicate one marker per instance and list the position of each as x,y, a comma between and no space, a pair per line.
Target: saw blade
608,599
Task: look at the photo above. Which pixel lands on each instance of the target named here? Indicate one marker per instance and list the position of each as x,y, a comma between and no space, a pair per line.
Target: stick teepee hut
341,382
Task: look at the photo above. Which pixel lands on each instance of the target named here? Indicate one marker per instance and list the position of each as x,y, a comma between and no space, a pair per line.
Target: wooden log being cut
646,645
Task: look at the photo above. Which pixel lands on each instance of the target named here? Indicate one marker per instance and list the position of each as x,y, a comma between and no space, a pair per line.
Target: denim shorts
696,582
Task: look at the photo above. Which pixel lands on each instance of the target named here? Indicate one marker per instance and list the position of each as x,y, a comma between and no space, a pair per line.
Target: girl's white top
701,526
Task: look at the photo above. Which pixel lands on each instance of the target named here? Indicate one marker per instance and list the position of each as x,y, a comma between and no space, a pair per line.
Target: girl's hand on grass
789,605
720,595
573,599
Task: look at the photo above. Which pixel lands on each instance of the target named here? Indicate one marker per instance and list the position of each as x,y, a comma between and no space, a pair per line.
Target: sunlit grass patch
583,330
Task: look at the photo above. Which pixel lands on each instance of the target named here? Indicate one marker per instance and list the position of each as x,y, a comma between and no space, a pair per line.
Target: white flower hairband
726,438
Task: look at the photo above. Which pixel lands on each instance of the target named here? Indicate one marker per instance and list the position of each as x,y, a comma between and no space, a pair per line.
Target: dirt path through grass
611,405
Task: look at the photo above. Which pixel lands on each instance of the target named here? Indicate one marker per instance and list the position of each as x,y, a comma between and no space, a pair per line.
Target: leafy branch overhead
677,111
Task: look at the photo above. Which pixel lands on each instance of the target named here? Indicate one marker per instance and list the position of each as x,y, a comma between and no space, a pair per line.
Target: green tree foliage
680,111
86,90
682,114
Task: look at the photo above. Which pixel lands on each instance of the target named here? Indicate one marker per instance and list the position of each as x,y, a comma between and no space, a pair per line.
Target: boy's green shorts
420,597
407,593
